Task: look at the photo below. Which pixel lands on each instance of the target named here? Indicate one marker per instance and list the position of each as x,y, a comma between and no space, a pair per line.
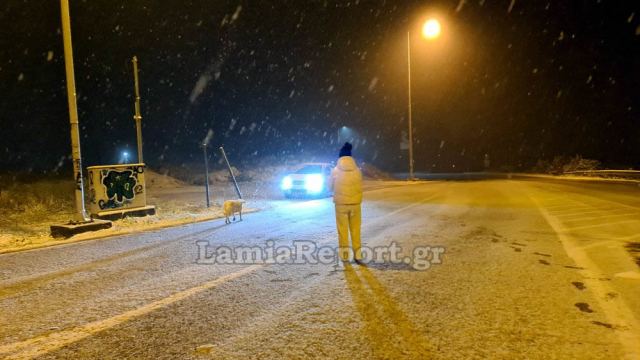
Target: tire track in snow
44,344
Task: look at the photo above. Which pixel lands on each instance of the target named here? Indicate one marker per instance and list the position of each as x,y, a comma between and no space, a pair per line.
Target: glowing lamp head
431,29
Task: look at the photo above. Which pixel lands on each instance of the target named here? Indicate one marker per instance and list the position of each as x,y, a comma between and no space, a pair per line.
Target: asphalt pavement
487,269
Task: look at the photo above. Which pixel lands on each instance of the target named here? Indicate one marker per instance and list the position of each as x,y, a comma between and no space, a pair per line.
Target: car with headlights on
309,180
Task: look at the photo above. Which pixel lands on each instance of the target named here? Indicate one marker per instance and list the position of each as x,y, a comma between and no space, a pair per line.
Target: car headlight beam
314,183
287,183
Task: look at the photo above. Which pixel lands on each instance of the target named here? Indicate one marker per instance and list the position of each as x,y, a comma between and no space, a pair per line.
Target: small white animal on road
230,208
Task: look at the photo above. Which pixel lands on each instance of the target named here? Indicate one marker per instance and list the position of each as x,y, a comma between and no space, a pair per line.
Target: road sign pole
206,173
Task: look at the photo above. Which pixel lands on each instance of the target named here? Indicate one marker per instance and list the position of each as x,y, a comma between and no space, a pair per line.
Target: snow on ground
27,210
510,285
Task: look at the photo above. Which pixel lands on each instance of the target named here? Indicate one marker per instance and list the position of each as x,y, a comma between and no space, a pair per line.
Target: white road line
628,238
571,229
595,202
591,218
577,209
44,344
421,202
600,243
585,212
559,204
617,312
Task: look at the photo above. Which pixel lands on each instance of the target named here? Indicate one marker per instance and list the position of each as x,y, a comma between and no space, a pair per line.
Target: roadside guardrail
625,174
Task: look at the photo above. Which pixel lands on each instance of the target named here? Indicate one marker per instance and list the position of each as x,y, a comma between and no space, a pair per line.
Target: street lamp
430,30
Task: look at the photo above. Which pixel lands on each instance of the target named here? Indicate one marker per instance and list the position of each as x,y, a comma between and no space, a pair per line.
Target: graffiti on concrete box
121,188
116,188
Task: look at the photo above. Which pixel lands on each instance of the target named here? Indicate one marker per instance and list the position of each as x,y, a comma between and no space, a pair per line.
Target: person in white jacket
346,183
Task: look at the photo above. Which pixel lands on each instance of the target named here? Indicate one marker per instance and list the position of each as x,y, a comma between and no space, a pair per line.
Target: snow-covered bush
578,163
372,172
562,164
23,202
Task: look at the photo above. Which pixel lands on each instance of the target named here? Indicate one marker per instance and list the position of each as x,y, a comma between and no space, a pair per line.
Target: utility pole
206,173
80,221
409,105
137,117
233,177
80,214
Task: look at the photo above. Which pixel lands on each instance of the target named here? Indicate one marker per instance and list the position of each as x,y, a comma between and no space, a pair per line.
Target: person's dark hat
346,150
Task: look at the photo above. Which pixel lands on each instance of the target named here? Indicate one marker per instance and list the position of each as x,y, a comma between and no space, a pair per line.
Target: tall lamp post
430,31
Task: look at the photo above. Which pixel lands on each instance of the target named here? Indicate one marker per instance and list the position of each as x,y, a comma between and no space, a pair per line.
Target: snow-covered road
532,269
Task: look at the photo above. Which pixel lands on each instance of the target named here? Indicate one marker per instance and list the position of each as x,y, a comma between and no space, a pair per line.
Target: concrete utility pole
137,117
409,105
80,221
80,214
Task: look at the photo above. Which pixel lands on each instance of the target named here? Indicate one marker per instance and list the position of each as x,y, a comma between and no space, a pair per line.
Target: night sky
275,80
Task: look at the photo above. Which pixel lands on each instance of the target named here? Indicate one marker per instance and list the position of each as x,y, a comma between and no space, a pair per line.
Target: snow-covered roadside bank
582,178
120,227
27,209
26,226
177,204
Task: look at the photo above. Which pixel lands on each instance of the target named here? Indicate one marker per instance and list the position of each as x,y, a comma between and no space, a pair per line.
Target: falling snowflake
236,14
373,83
198,89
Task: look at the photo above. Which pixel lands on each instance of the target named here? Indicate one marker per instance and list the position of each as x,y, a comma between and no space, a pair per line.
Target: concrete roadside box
116,191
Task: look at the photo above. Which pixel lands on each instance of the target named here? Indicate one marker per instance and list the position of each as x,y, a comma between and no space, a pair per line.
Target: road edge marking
616,312
44,344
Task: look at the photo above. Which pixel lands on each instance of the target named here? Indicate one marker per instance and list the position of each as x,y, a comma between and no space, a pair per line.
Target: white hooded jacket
346,182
